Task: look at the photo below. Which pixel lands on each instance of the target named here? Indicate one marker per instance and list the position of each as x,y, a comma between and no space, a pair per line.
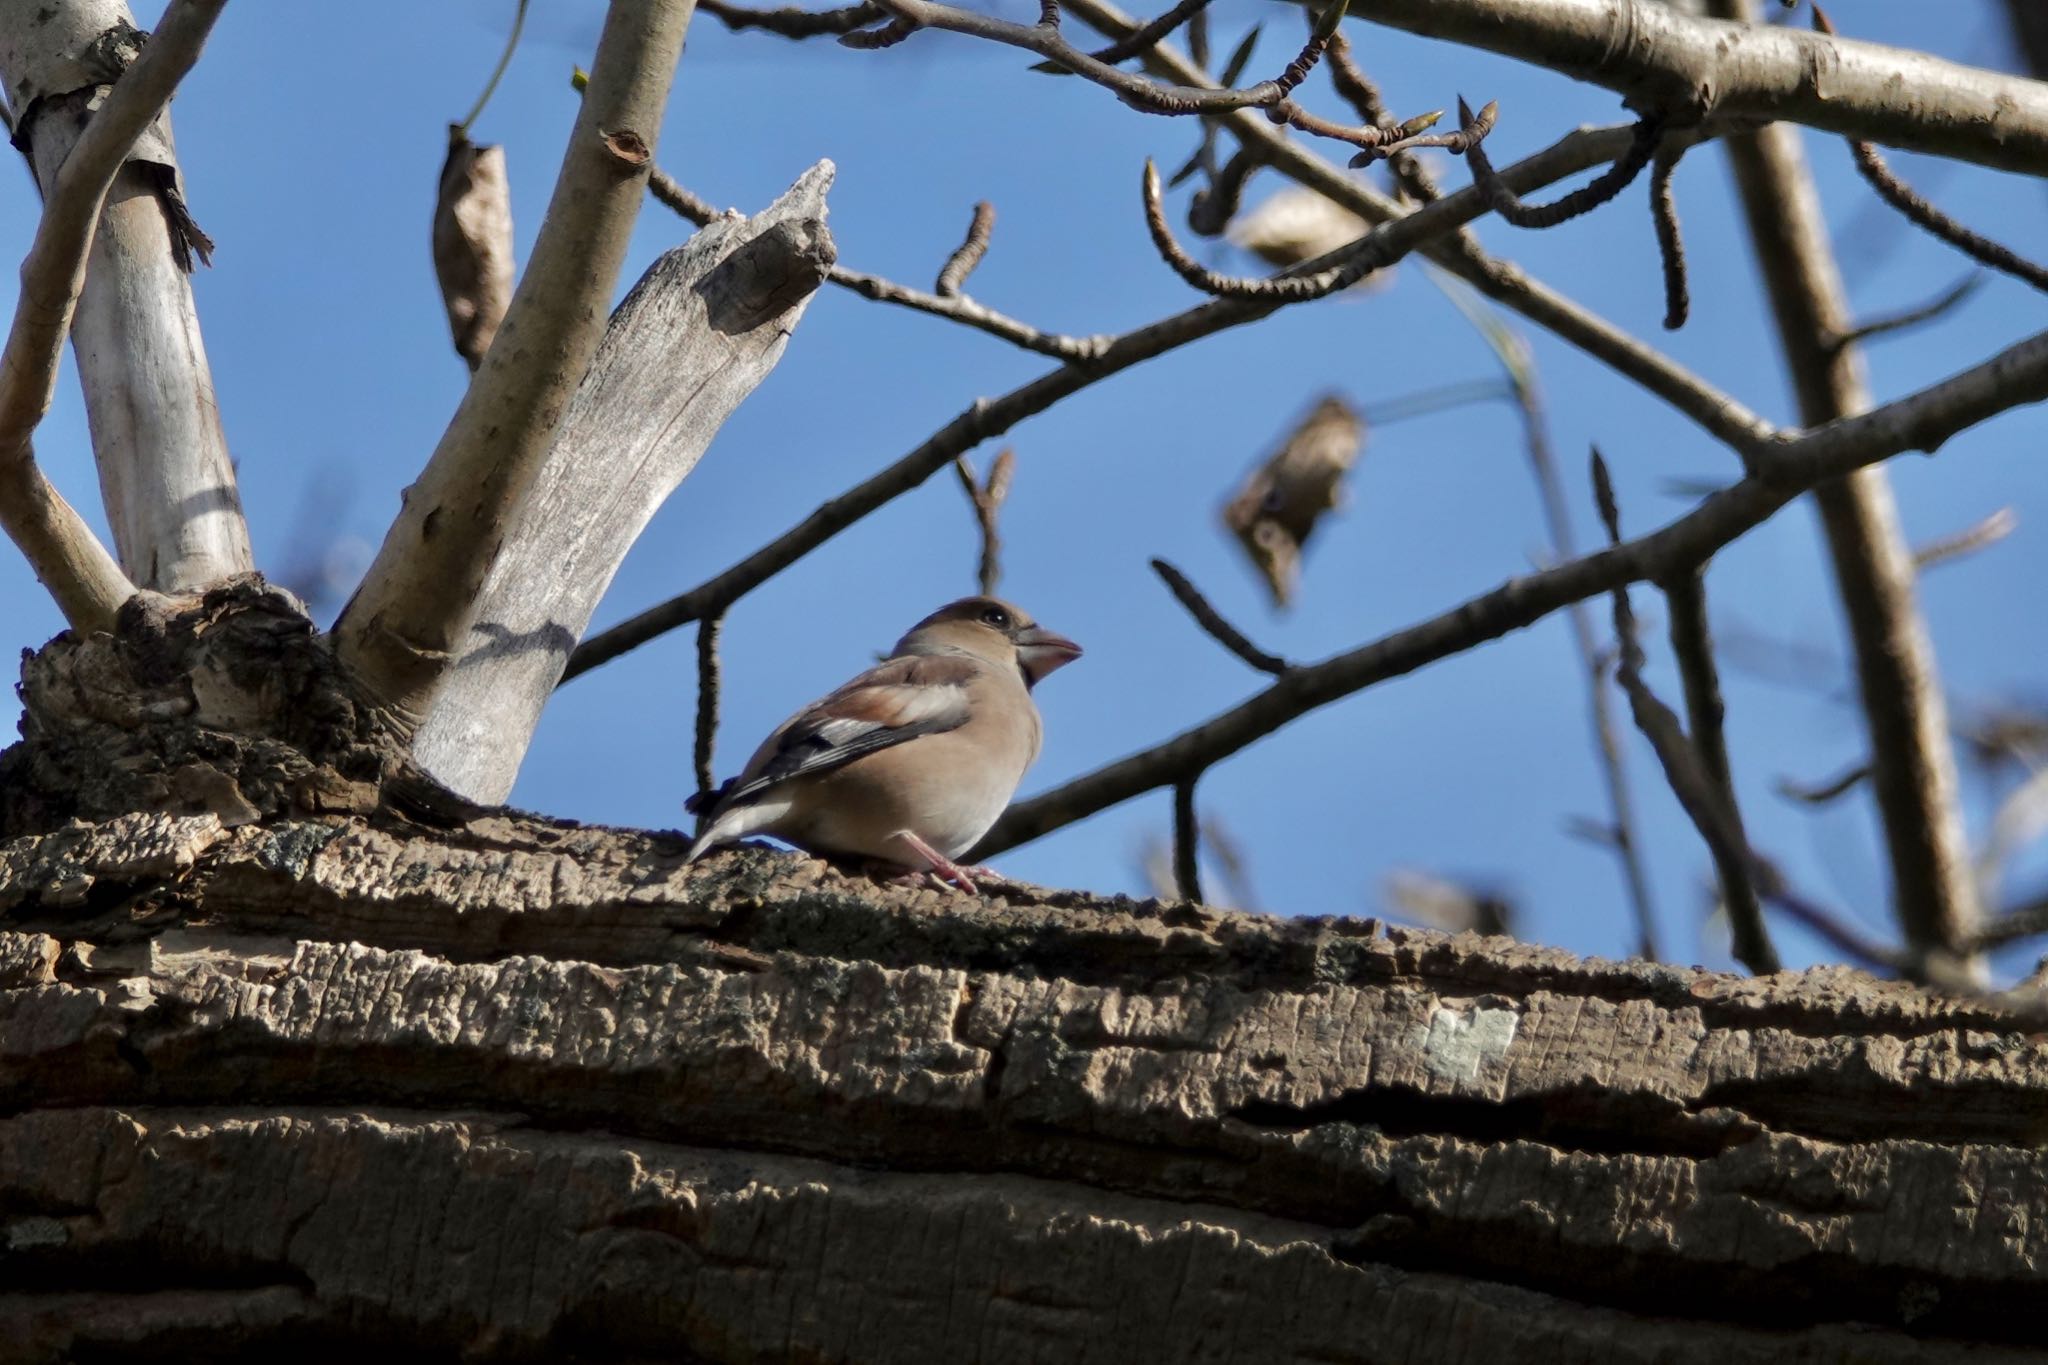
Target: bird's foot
943,870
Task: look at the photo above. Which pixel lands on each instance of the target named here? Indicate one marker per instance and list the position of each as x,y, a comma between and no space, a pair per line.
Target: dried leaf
1276,511
1297,225
473,243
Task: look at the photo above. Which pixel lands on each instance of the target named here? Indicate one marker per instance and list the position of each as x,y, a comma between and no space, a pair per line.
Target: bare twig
1357,89
875,39
1187,842
1211,620
1216,203
1670,241
1901,196
708,677
1911,317
1141,93
968,255
1967,541
1693,647
958,308
791,22
674,197
1819,794
986,497
88,585
1695,778
498,71
1123,49
2022,921
1583,200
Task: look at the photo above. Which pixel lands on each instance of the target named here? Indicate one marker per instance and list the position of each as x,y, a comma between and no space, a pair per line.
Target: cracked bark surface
430,1078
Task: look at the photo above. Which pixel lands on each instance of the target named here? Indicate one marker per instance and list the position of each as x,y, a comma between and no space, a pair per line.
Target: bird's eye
997,617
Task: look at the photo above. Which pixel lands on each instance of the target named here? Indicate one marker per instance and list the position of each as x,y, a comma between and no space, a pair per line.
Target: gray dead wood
512,1088
165,476
700,331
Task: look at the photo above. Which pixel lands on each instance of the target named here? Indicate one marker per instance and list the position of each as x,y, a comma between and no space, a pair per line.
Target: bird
910,763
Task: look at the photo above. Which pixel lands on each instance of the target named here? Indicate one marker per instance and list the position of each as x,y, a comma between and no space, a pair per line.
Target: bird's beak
1040,651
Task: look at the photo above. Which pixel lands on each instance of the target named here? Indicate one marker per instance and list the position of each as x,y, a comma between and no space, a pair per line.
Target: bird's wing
890,704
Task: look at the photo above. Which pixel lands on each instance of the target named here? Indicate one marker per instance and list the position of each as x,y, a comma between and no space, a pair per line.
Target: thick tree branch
66,556
1658,57
166,481
703,327
406,627
1912,765
1917,422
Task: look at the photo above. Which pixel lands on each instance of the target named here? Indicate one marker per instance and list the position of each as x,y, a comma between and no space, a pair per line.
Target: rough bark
439,1078
165,476
701,330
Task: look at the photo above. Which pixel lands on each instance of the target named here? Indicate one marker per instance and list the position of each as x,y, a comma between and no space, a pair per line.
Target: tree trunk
299,1052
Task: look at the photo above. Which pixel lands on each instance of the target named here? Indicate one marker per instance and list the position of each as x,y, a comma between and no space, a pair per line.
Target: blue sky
311,155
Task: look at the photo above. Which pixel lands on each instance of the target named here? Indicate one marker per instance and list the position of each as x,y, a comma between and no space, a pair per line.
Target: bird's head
993,631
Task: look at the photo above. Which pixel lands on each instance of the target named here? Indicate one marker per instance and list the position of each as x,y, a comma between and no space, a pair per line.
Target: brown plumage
912,761
1276,511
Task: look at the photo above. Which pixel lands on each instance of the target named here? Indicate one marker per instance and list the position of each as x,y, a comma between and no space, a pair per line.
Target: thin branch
1211,620
1145,95
1820,794
1603,188
1911,317
1187,843
1123,49
709,674
497,72
1967,541
1670,240
1700,786
1692,646
1919,421
1901,196
968,255
409,620
88,585
1355,87
986,498
2022,921
789,21
672,196
959,308
875,39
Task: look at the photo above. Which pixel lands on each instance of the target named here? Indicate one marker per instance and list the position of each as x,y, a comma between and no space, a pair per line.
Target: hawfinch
912,761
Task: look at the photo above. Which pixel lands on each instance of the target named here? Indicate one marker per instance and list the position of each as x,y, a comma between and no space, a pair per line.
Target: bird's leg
943,869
